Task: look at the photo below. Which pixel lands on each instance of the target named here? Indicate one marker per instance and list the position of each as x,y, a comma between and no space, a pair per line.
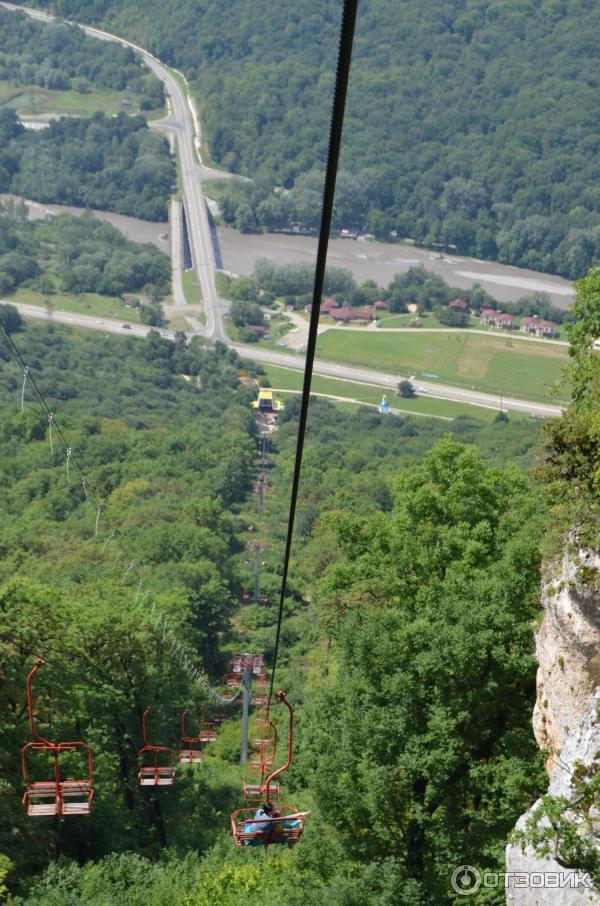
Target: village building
458,305
497,318
541,328
504,320
326,306
487,315
346,315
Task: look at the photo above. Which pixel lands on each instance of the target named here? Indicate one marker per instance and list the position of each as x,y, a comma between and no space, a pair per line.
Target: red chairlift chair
155,763
258,664
227,697
56,797
264,743
288,826
208,728
190,747
208,732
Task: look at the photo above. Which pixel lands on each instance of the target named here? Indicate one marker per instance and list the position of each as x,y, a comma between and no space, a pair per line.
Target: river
379,261
366,259
137,230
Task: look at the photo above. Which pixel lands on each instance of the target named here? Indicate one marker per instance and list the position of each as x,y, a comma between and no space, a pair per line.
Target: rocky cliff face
566,718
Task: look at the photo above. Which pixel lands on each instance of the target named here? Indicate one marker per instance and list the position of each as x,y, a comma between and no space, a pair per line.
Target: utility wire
335,137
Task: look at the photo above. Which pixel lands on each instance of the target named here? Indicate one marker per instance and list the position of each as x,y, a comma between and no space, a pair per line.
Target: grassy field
389,319
179,323
31,100
84,304
222,283
491,364
191,288
290,379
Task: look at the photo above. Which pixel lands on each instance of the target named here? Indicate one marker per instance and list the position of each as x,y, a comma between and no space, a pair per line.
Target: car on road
126,326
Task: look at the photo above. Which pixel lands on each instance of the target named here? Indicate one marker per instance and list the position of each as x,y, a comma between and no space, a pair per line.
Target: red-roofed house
379,305
497,318
504,320
257,329
326,306
540,328
487,315
458,305
353,314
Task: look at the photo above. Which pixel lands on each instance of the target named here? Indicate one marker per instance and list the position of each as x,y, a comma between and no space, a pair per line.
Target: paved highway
185,127
184,122
327,369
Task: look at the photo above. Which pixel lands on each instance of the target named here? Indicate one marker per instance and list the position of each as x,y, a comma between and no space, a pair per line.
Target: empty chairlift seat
191,749
255,792
156,764
56,795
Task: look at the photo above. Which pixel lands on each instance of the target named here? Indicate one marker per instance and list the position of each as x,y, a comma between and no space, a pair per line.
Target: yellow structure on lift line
266,402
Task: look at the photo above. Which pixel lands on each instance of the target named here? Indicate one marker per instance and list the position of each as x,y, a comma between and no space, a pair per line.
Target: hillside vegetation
61,57
433,771
111,163
471,124
76,255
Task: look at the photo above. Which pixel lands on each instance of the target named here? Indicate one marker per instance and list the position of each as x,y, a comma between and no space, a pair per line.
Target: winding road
183,122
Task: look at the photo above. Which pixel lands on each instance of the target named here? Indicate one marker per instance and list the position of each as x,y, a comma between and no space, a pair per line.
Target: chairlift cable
335,136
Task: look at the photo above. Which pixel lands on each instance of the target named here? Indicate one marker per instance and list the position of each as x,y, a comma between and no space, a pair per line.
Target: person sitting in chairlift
266,810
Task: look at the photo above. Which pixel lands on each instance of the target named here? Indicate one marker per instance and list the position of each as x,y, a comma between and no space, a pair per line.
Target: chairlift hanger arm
35,736
290,746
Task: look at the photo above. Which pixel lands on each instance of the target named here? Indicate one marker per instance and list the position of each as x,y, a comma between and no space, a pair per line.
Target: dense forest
111,163
469,124
170,461
59,56
76,255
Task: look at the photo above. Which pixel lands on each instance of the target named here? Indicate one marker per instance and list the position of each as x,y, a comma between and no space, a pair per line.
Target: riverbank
379,261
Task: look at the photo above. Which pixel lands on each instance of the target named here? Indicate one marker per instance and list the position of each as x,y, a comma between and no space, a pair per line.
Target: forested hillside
166,458
471,124
59,56
171,462
111,163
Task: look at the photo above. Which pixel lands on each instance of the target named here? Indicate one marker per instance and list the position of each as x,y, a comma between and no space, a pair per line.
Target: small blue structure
384,406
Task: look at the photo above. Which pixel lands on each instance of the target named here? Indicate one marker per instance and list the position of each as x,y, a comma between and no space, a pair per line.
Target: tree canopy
111,163
61,56
76,255
438,558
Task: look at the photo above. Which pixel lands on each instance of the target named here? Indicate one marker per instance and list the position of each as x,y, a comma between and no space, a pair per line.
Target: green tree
10,317
584,375
431,606
406,389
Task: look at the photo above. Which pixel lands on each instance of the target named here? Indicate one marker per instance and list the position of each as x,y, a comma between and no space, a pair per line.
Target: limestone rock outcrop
566,720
